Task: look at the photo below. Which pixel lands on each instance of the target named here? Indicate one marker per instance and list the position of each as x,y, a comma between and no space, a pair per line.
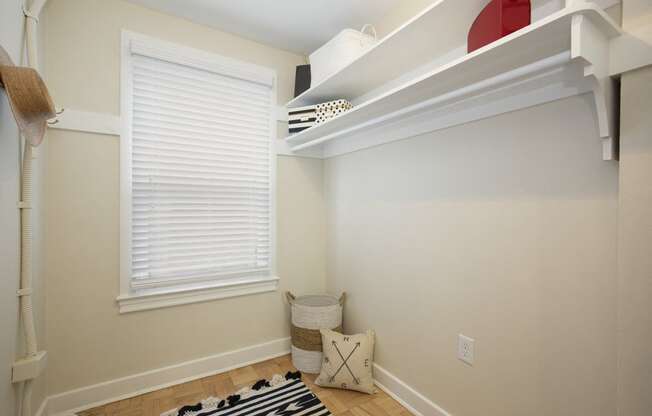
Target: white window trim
128,300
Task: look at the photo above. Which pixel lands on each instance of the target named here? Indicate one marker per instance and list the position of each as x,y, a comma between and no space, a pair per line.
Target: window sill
135,302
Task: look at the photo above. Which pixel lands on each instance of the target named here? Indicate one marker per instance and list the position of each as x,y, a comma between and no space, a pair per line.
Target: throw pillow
347,362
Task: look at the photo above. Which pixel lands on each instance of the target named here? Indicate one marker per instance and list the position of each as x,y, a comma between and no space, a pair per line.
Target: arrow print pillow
347,361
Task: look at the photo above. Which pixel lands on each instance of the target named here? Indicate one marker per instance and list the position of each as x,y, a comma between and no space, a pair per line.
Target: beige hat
28,96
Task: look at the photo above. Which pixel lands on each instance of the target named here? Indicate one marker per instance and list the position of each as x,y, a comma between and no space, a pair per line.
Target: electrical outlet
465,349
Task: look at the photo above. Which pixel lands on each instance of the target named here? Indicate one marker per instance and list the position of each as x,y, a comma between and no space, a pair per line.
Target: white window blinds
201,168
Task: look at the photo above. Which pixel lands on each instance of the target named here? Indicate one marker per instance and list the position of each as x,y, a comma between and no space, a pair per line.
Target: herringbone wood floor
339,402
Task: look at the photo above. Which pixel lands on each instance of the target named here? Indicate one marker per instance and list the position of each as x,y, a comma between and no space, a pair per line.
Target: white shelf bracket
591,47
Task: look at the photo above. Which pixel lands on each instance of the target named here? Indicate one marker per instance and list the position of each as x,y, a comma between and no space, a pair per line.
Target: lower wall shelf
564,54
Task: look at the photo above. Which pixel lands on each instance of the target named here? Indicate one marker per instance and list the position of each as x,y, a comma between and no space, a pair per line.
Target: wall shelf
561,55
436,32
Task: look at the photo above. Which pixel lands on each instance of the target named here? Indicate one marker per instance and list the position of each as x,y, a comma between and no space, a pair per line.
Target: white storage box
331,109
339,52
302,118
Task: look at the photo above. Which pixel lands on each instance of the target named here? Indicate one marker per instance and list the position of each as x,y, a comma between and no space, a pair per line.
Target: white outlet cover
465,346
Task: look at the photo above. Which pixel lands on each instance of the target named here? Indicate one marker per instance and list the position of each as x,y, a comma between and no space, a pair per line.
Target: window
197,176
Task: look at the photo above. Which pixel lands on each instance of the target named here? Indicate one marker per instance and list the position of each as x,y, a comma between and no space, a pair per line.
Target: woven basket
309,315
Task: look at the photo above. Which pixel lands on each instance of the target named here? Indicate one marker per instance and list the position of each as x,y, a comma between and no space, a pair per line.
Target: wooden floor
339,402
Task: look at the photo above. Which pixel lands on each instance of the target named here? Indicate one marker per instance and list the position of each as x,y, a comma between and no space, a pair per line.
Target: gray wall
11,338
11,35
504,230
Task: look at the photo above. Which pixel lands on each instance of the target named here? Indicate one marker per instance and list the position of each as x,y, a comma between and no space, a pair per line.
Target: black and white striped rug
280,396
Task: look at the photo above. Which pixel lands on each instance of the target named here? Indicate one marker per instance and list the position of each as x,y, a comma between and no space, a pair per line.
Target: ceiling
299,26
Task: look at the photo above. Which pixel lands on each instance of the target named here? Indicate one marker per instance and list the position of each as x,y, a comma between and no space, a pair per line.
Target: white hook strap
24,292
373,30
23,205
29,15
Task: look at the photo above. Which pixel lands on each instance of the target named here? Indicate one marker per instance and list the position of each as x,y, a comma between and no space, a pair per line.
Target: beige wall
404,11
504,230
635,270
635,232
89,340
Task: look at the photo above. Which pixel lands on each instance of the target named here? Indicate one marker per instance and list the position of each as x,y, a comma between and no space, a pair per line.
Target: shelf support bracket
591,47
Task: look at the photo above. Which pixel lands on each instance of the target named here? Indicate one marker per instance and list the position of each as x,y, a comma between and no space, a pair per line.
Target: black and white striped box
302,118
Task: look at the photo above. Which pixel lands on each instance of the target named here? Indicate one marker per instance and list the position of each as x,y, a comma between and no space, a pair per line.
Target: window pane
201,174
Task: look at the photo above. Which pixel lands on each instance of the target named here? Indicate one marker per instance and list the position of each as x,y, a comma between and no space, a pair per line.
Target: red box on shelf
499,18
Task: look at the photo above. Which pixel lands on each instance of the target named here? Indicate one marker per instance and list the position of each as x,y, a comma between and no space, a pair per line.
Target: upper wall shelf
434,33
563,54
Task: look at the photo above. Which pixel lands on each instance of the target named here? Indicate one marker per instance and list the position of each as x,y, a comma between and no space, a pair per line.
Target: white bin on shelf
339,52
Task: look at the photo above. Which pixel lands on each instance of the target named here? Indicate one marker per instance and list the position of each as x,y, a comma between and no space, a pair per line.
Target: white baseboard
415,402
70,402
43,408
